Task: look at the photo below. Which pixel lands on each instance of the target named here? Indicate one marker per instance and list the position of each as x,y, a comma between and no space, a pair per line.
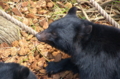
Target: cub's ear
72,11
24,72
86,29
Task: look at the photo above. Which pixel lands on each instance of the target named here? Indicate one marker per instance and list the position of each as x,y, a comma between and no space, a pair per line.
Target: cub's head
15,71
64,32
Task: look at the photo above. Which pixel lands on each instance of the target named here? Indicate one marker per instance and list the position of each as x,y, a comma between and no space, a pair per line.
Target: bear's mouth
43,36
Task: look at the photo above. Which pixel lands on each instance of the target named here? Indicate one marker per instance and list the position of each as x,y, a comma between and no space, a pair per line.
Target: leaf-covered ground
28,51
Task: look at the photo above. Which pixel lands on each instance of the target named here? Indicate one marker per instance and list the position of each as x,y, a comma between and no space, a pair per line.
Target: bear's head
64,32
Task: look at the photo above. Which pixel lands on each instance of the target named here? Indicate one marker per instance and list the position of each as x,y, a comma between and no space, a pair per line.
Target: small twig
94,9
84,13
112,21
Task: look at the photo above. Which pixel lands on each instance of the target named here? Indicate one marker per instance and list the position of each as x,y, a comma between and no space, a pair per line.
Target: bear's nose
43,36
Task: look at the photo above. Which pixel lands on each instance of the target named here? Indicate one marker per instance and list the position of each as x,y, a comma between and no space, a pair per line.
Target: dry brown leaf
41,3
56,76
60,4
65,56
34,65
69,76
30,22
29,37
2,4
24,64
27,50
55,53
4,45
24,4
42,21
22,51
23,43
45,25
44,77
33,5
20,59
33,10
25,21
15,43
13,51
58,57
24,34
24,9
49,78
10,59
31,57
16,11
35,20
50,21
44,52
68,5
43,71
63,74
42,11
30,15
50,4
15,1
37,56
40,47
41,62
6,53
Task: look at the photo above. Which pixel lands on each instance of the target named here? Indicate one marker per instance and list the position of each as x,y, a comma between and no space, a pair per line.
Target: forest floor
38,14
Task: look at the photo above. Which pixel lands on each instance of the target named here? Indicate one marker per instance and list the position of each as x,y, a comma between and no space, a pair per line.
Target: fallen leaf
24,4
35,20
33,10
15,43
68,5
30,15
50,4
2,45
58,57
2,4
41,3
13,51
25,21
42,12
56,76
43,71
45,25
16,11
41,62
22,51
29,37
24,9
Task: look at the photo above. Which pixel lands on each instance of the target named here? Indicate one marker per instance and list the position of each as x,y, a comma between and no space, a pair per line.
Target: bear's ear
72,11
86,29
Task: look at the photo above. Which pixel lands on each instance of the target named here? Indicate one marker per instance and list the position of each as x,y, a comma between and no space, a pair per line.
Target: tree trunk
9,32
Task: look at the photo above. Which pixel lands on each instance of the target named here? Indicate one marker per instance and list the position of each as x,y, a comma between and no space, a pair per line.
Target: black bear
94,48
15,71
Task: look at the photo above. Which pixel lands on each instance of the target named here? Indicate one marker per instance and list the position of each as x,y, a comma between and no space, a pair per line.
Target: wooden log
9,32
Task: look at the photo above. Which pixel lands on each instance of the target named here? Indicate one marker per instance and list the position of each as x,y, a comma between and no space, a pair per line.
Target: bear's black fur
15,71
94,48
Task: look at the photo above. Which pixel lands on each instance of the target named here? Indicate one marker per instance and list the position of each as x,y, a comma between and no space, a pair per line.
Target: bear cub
15,71
94,48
